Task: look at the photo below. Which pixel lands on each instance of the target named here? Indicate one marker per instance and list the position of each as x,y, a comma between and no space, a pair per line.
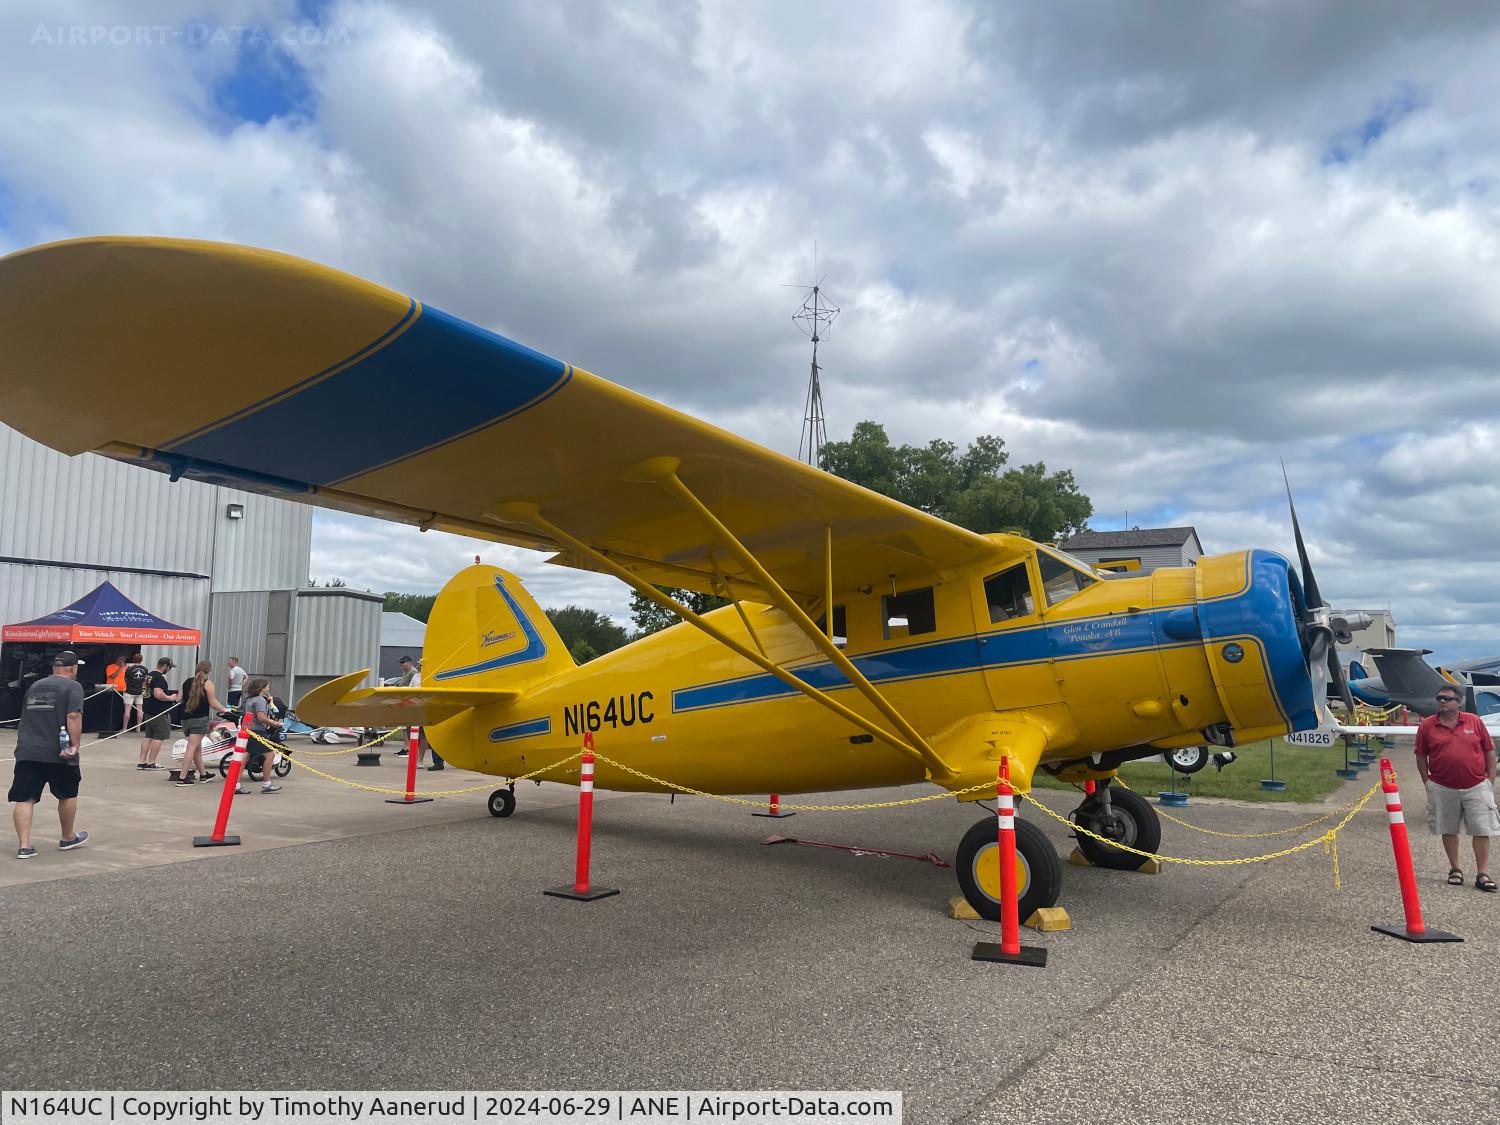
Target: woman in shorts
198,703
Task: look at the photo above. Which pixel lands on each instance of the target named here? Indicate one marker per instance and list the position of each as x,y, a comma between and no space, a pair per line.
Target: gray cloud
1162,244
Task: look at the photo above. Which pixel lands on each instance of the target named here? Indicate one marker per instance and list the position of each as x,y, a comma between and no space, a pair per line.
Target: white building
1137,551
233,564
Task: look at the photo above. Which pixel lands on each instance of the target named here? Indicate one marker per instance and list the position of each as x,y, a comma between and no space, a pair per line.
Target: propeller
1322,654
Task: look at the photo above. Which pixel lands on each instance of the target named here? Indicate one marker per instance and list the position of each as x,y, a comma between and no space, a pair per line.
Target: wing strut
664,471
526,512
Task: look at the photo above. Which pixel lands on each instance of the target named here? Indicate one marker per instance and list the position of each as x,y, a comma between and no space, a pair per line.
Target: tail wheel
283,766
1038,870
1131,821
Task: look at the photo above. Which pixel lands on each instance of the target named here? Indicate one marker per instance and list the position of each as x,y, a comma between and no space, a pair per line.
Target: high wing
234,365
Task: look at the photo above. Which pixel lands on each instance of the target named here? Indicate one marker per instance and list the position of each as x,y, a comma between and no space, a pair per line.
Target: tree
587,633
973,490
413,605
652,618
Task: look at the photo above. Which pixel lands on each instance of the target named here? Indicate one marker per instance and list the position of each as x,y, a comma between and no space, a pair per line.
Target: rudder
486,631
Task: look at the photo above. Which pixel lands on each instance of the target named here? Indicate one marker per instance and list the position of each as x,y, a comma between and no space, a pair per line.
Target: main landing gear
1119,815
1122,817
503,801
1038,870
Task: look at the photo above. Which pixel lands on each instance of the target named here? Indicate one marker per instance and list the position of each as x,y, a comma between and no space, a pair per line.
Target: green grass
1308,773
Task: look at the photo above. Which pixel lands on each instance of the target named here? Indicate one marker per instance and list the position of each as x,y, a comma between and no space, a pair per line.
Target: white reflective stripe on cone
1395,816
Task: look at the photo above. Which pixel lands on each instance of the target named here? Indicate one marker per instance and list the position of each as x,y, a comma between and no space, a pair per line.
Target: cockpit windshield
1062,577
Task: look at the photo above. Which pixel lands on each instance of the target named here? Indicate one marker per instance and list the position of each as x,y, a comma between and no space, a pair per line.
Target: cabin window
909,614
1008,594
1059,579
840,626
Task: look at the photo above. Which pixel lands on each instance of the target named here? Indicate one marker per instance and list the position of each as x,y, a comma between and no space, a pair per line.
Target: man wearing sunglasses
1456,758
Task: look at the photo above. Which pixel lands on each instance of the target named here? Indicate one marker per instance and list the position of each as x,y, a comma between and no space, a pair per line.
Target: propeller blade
1340,681
1309,583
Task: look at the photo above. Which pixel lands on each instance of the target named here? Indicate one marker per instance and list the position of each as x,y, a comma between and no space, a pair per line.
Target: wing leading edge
319,386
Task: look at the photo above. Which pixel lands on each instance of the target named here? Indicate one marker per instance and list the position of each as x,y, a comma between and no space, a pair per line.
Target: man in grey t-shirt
47,742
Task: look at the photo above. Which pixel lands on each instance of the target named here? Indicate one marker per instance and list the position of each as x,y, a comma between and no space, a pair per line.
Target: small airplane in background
867,644
1404,677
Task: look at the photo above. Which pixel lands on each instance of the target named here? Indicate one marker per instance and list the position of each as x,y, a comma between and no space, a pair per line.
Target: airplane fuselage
1154,660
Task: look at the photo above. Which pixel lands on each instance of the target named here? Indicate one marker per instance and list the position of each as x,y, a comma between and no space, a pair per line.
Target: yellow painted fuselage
1130,662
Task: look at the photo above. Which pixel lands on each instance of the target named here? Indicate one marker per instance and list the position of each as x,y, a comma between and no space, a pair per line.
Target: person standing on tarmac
47,742
1456,758
236,676
160,701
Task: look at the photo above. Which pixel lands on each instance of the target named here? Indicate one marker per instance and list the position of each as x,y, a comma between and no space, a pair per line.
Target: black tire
1188,759
1040,880
224,764
1132,821
502,802
283,767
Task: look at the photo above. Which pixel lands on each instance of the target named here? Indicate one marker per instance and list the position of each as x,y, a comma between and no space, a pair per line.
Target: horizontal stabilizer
340,703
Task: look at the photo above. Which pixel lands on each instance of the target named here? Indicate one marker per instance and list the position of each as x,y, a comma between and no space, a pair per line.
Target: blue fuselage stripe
1261,609
437,381
521,730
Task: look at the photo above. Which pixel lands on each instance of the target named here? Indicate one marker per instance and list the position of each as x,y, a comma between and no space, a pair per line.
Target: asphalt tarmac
350,944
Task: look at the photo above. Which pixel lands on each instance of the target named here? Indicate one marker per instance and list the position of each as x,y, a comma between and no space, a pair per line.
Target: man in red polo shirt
1456,758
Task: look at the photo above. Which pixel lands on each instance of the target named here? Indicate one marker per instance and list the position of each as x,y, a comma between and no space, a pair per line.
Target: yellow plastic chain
989,785
425,792
1245,835
1328,839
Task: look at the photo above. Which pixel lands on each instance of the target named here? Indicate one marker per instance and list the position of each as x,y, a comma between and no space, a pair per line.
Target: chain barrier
343,750
293,758
86,698
1248,835
1329,840
983,786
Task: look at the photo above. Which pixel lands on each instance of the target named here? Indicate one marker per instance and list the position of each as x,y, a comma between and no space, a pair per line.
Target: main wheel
502,802
283,766
1038,870
1188,759
1131,821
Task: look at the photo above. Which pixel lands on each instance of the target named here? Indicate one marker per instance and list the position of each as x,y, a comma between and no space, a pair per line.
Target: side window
1059,580
909,614
1008,594
840,626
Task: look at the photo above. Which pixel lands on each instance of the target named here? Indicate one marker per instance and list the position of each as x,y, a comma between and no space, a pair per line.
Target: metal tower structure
815,317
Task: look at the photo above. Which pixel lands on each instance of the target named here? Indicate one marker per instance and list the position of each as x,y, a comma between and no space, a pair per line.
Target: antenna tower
814,318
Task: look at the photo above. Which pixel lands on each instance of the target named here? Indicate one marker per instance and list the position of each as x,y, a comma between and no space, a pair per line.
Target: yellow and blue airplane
867,644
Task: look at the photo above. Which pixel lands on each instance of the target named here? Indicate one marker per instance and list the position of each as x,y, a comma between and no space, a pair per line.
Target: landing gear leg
1122,817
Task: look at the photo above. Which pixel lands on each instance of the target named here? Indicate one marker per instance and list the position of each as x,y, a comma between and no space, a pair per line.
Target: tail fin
487,642
486,632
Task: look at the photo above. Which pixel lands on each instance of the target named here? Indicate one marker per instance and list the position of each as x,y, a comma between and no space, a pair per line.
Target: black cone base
404,801
582,896
774,815
1032,955
367,758
210,842
1417,939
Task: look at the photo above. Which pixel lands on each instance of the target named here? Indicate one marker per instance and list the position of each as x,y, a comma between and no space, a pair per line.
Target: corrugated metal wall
337,632
239,629
91,510
266,550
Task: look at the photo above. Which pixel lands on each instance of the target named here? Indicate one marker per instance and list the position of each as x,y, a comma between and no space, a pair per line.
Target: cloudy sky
1161,244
